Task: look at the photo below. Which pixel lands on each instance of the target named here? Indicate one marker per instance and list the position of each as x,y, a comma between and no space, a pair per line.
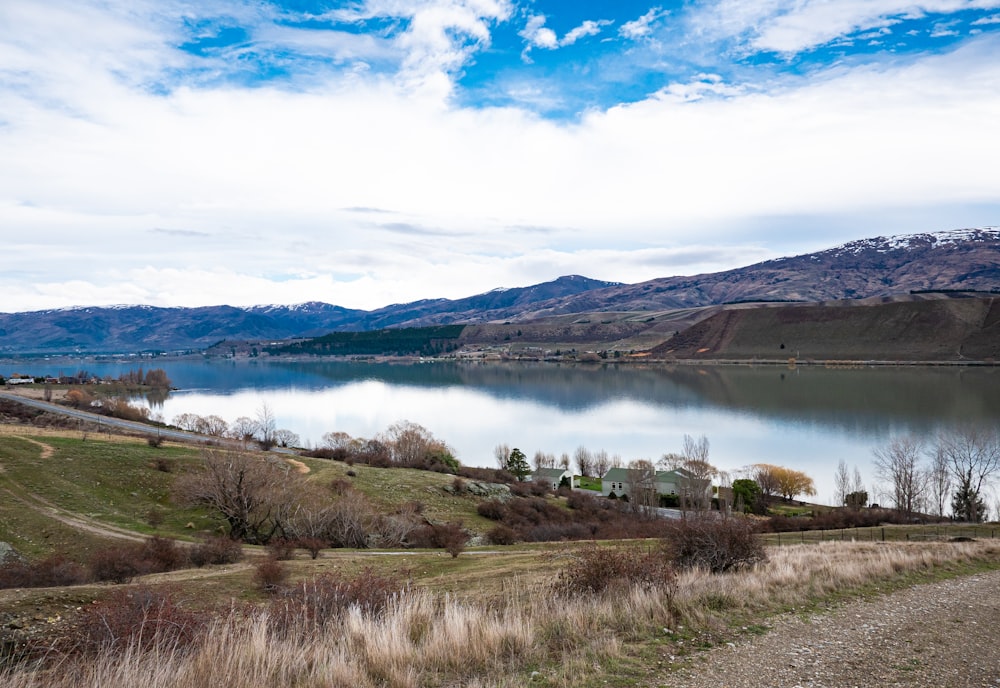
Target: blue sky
363,153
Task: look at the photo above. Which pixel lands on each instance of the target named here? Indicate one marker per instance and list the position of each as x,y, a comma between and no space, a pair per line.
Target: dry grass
426,638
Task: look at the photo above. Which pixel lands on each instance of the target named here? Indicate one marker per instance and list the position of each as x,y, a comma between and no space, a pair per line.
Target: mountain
148,328
924,327
966,259
958,260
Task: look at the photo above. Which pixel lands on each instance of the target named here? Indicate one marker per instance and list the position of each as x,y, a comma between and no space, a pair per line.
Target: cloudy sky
367,152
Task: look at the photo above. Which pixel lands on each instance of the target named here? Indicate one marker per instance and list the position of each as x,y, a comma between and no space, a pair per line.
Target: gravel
940,634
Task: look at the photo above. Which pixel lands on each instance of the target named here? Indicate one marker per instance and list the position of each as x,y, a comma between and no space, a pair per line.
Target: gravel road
941,634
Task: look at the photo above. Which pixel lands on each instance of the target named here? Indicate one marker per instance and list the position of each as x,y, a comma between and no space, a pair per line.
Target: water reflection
807,418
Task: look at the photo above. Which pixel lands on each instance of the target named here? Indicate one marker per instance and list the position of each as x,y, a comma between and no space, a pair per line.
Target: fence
893,533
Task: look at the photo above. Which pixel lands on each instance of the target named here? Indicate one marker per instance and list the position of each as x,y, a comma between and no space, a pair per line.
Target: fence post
883,535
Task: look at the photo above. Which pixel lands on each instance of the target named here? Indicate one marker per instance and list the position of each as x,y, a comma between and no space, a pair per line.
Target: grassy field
490,617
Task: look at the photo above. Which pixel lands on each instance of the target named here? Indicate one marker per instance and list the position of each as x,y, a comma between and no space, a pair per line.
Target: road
118,423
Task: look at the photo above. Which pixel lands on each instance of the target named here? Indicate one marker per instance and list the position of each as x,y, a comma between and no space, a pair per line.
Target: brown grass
422,638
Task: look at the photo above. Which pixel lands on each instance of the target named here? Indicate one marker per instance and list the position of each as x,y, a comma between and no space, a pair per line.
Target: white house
553,477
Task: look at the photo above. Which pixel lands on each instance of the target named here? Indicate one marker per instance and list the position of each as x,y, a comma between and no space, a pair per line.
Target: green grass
588,483
391,488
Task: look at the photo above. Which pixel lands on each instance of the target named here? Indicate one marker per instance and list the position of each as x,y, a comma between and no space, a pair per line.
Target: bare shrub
595,569
324,598
154,441
139,618
715,544
492,509
164,465
313,545
447,536
281,549
270,575
118,564
502,535
216,550
52,571
162,554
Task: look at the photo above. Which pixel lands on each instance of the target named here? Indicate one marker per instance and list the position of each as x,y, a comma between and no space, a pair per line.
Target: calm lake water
805,418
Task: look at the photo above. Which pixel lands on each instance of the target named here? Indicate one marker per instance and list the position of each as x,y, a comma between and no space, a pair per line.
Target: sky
364,153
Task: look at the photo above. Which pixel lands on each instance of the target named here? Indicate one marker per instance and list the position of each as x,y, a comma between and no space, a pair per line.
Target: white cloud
992,19
793,26
641,27
537,35
110,193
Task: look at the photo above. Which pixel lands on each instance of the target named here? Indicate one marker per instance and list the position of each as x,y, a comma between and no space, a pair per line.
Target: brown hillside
940,329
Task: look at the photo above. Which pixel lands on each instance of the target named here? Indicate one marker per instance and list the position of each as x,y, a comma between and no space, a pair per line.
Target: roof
549,472
617,475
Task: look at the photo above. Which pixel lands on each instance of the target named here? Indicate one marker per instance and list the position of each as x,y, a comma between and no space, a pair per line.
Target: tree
517,464
746,495
584,461
243,429
841,484
501,453
286,438
266,426
898,464
973,455
642,486
856,500
784,481
254,494
602,462
938,481
564,461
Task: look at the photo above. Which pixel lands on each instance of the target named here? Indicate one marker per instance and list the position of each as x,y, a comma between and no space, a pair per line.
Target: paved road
132,426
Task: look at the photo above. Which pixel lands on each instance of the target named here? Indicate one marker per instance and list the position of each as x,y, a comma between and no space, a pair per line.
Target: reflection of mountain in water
866,400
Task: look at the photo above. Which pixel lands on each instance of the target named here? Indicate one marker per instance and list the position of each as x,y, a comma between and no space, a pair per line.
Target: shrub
323,598
313,545
281,549
165,465
154,440
161,554
595,569
715,544
270,574
447,536
502,535
492,509
53,571
138,618
118,564
216,550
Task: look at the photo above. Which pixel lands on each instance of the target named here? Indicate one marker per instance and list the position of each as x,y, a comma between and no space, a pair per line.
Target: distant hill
965,259
644,313
148,328
928,328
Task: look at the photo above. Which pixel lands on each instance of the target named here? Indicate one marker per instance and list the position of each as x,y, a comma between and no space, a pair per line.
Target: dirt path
298,466
943,634
74,520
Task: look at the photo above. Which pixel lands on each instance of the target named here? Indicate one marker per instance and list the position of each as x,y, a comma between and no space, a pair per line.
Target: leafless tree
501,453
584,461
898,465
642,486
543,460
254,493
841,484
213,425
564,461
243,429
187,421
266,426
602,462
939,481
973,455
286,438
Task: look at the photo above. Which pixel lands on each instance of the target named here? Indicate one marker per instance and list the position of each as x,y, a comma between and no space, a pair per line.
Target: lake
807,418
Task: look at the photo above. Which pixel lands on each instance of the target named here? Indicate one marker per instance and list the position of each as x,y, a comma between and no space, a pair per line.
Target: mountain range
956,260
